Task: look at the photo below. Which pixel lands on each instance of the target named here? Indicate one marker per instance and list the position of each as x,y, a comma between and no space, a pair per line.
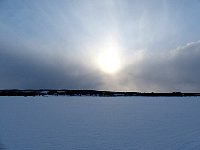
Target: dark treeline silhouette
64,92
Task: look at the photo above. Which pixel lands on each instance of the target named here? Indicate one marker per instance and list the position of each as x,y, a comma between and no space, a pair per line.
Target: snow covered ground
99,123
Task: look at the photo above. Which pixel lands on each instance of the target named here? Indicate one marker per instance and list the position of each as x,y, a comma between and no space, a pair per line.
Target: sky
123,45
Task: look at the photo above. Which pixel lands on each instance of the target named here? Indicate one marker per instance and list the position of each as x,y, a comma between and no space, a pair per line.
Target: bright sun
109,61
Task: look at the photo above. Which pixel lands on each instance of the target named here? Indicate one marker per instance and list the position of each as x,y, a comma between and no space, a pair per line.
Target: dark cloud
174,70
19,71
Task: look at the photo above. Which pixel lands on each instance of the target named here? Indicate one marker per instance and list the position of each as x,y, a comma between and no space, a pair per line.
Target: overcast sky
132,45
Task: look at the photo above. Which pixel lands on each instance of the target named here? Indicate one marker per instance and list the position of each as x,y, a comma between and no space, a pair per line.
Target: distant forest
64,92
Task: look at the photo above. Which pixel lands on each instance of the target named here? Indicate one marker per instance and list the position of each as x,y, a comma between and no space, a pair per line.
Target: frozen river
99,123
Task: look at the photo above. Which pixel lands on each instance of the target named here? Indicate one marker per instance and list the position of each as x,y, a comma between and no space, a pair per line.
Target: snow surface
99,123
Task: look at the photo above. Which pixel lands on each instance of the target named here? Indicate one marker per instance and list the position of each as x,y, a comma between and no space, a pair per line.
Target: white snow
99,123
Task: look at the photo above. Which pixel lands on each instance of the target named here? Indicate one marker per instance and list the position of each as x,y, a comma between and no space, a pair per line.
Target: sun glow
109,59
